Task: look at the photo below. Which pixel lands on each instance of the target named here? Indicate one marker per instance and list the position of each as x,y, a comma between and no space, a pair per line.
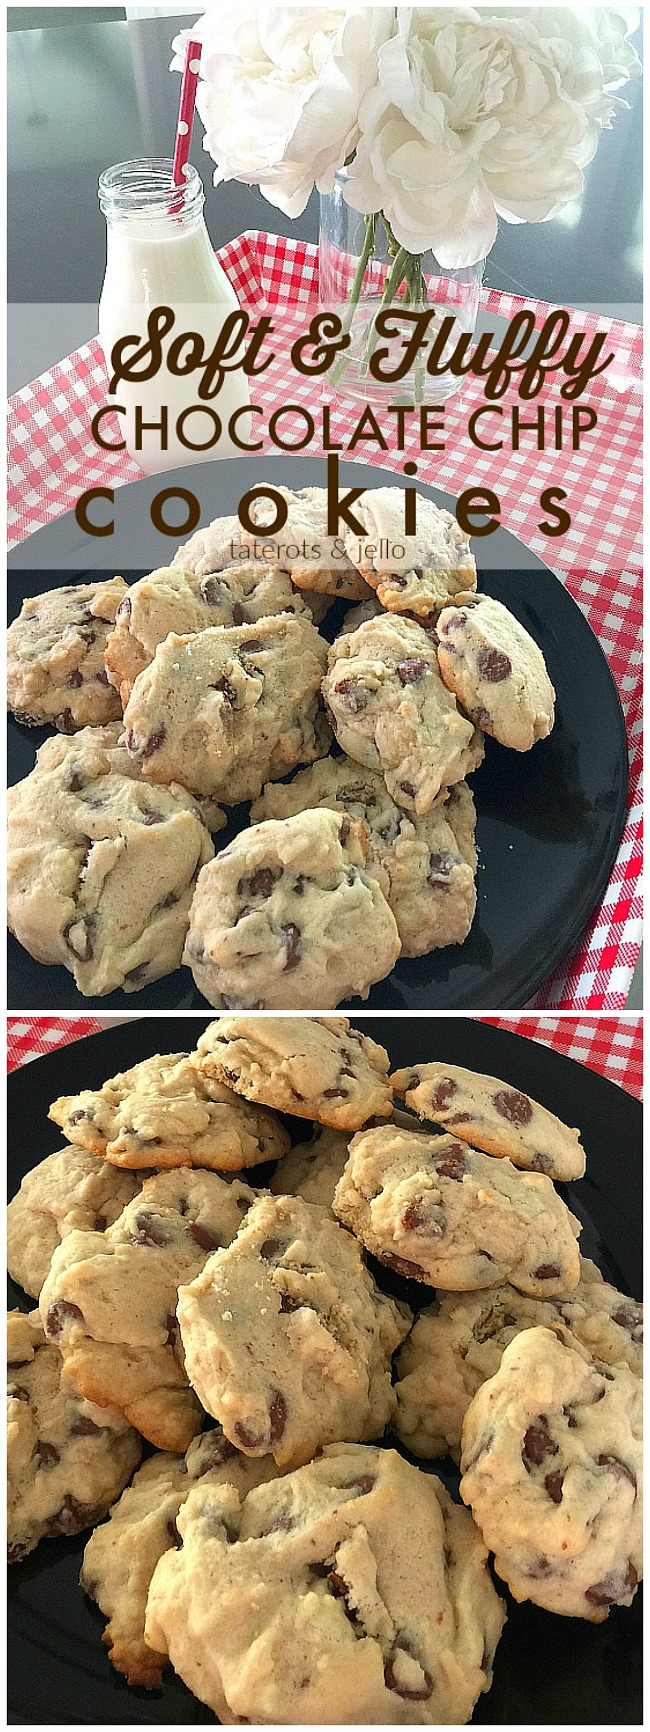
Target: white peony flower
480,112
280,92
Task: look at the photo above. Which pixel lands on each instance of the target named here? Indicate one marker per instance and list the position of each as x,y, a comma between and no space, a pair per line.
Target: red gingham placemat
52,460
611,1045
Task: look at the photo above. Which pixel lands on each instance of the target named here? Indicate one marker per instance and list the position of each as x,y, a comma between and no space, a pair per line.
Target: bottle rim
145,186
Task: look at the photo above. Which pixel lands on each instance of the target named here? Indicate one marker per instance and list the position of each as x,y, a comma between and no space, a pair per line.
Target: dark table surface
95,91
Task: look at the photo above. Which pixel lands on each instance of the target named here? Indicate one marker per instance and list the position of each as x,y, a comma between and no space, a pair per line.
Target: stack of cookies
276,1546
201,687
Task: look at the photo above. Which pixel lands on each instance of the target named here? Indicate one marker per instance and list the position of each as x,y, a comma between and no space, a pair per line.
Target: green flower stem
404,268
354,292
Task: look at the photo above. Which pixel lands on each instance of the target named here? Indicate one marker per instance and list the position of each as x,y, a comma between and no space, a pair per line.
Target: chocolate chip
408,788
71,1517
453,1164
289,1304
335,1094
154,742
60,1313
277,1416
75,678
617,1467
65,722
227,691
409,672
441,867
174,1534
271,1248
26,720
282,1524
547,1272
73,781
246,1437
204,1237
217,1449
292,947
139,973
78,935
102,677
538,1443
411,1270
553,1486
260,883
173,1330
149,1231
356,696
426,1216
364,1482
493,665
481,718
252,644
211,589
83,1427
47,1454
153,818
397,581
514,1107
124,610
238,614
612,1588
414,1693
628,1317
76,1117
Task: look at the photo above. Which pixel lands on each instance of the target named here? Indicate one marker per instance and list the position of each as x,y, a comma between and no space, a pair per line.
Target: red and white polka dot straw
186,111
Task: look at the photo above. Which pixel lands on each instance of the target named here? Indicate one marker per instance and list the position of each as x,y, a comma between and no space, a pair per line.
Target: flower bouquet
420,126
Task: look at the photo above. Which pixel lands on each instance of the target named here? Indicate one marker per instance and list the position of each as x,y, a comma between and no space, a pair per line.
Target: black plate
549,1670
549,820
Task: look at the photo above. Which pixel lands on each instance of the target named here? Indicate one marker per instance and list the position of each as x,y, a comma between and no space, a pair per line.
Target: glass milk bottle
159,254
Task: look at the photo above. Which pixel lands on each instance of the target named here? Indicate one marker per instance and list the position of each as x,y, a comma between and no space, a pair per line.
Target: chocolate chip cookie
101,869
391,711
552,1468
223,710
493,1116
352,1591
315,1067
495,669
459,1341
315,560
67,1192
434,1209
55,656
121,1556
312,1170
109,1301
172,600
425,866
288,916
411,573
166,1113
287,1339
67,1460
60,750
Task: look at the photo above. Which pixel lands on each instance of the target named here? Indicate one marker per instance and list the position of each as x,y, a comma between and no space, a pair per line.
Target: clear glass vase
362,269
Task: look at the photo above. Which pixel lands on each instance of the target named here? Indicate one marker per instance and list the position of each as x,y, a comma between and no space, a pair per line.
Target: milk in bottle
158,254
